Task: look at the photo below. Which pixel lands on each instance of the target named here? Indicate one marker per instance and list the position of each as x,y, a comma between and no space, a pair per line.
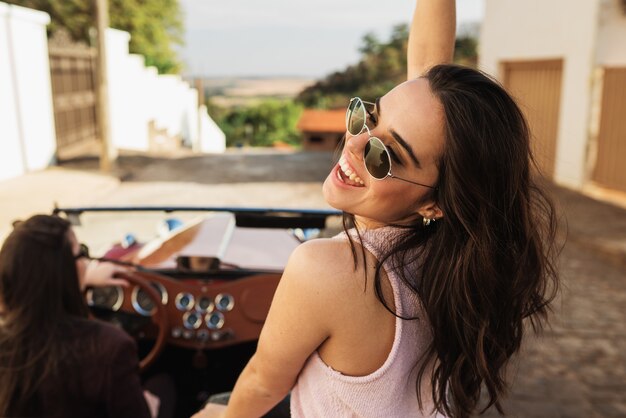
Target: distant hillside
228,92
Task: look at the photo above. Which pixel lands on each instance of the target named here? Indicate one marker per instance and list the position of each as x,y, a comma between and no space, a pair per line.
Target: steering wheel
159,317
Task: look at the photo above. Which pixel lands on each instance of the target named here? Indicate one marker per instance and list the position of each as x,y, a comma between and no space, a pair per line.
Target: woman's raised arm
432,35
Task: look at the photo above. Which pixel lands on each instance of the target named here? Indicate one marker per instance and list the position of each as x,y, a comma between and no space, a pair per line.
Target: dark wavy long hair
39,294
490,263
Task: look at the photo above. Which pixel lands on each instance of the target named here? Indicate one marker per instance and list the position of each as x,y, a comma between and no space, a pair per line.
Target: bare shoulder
324,255
328,263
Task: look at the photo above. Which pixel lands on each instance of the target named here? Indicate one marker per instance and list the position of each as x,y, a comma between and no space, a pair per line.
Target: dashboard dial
204,304
109,297
184,301
143,303
224,302
214,320
192,320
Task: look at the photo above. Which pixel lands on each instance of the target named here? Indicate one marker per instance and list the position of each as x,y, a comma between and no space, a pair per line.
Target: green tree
264,124
465,51
382,66
155,26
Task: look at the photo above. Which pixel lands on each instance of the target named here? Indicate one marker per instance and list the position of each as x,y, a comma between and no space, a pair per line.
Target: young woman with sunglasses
417,311
54,362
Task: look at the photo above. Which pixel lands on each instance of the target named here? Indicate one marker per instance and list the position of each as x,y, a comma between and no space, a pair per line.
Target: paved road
576,369
238,178
233,167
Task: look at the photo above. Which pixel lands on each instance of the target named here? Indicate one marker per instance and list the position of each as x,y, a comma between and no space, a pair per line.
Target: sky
289,37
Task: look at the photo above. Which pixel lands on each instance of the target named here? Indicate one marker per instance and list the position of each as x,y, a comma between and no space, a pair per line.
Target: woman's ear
430,210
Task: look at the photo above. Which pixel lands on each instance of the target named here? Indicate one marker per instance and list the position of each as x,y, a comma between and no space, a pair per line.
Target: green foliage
155,25
265,124
382,66
465,51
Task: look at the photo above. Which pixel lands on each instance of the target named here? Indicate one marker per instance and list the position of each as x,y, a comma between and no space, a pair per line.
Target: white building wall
11,152
150,92
128,113
139,95
190,122
120,88
137,135
30,141
171,97
516,30
611,45
212,138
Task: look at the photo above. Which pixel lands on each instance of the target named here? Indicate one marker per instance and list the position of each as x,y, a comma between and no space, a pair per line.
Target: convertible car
202,283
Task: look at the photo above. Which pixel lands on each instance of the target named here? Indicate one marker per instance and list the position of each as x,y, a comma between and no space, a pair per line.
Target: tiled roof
315,120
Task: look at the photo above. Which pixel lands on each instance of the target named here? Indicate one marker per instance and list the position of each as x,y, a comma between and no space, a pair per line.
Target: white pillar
25,77
12,158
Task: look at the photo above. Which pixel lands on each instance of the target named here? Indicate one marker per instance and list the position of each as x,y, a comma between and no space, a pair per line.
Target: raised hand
432,35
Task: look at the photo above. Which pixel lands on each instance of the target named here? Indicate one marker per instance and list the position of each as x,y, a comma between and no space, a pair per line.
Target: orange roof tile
315,120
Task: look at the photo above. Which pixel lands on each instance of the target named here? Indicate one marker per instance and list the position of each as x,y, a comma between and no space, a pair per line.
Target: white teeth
348,172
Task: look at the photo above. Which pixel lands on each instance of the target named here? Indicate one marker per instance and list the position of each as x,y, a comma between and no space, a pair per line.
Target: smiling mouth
346,174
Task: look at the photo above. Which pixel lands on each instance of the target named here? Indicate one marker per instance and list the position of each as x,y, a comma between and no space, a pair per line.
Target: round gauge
192,320
204,304
184,301
143,303
224,302
215,320
110,297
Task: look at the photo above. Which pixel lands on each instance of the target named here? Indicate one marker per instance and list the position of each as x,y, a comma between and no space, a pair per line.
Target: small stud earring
427,221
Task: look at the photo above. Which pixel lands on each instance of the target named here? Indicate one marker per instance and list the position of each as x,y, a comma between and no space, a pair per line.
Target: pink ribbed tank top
390,391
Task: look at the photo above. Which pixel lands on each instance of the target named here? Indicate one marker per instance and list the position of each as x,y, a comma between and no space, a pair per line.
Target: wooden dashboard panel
252,296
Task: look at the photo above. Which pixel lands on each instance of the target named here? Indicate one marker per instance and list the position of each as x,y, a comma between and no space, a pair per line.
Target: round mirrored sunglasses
375,154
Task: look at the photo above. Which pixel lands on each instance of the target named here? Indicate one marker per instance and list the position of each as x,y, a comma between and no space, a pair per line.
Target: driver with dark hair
55,361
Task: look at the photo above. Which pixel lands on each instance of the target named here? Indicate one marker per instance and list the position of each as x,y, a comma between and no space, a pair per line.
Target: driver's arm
432,35
103,273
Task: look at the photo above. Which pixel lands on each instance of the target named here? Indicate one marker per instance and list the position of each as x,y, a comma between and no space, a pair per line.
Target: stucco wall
11,153
611,46
211,137
26,115
139,96
537,29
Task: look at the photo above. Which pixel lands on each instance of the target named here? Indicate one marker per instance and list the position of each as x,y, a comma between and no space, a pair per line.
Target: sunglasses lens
376,158
84,250
355,117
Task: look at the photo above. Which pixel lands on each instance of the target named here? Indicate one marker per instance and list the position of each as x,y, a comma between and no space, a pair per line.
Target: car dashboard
214,273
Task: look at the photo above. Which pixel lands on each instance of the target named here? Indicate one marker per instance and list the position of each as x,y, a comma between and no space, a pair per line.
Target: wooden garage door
610,167
536,85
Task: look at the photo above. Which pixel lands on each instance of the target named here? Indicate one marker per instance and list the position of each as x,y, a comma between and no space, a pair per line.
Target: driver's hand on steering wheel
102,273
